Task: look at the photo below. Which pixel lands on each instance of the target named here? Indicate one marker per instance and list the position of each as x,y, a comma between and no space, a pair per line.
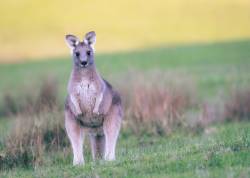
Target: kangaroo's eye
88,53
77,54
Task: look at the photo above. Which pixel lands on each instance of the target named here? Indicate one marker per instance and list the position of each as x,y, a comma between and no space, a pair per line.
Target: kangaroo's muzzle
84,63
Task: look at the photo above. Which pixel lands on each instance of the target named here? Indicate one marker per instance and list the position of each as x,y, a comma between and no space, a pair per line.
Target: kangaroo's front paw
79,116
96,111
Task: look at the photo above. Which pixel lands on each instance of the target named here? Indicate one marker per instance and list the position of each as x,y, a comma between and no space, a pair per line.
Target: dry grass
31,136
30,100
237,106
233,107
37,126
156,107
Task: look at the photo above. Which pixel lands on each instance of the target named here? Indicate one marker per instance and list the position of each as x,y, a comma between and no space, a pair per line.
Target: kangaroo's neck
89,73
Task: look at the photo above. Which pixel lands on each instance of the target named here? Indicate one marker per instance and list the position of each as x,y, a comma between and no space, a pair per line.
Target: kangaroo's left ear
71,40
90,38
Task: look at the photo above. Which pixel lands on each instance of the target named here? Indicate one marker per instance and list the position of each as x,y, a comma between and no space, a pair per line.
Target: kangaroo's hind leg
111,128
76,137
97,143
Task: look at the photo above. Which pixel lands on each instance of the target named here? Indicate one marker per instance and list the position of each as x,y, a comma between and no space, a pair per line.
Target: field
224,153
209,73
34,29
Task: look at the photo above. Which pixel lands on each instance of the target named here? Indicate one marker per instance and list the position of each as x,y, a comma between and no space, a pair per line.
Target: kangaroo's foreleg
76,137
111,128
75,105
99,99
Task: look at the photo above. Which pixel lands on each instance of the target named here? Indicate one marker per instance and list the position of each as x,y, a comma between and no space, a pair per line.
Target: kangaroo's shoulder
116,98
107,84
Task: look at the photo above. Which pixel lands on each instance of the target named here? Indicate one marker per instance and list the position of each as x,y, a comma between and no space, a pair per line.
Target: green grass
214,68
224,153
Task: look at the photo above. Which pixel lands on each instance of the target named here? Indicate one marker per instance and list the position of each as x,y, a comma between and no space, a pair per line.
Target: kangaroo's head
82,51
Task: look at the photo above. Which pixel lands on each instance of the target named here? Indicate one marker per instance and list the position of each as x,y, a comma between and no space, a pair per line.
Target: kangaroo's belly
90,122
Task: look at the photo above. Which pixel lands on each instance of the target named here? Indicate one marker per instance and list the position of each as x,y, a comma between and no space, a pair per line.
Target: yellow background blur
36,29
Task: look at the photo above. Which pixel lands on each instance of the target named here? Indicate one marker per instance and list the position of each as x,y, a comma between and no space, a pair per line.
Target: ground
223,153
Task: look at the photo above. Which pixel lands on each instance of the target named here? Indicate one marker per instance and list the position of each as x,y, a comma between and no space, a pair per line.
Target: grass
224,153
27,31
221,150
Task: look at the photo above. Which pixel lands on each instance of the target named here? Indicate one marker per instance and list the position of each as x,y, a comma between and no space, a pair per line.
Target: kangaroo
92,106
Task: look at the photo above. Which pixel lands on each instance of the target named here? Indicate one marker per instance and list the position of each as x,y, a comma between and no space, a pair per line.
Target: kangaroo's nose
84,63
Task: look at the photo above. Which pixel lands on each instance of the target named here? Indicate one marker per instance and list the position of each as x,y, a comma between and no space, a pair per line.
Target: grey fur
92,106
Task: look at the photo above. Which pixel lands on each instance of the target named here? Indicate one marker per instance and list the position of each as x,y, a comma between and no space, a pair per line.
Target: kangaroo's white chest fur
86,95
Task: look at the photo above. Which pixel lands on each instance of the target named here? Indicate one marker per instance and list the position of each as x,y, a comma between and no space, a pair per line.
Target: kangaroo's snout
84,63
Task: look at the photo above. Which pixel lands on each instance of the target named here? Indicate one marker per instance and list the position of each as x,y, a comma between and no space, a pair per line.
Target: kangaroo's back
116,98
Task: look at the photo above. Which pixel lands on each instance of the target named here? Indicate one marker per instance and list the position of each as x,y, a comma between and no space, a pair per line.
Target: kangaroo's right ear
71,40
90,38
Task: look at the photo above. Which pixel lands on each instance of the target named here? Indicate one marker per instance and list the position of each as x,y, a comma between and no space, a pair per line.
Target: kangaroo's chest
86,93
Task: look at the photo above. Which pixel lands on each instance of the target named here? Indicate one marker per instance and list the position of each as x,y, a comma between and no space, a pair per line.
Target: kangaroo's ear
71,40
90,38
